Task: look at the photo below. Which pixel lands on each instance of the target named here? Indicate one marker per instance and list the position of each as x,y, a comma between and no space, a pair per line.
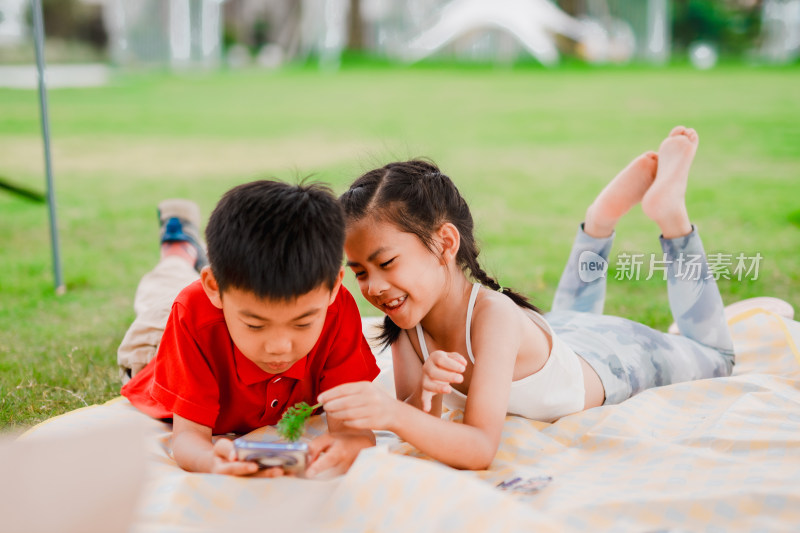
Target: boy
268,324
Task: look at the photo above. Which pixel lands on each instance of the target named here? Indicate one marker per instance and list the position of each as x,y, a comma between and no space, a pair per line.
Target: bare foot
665,201
625,190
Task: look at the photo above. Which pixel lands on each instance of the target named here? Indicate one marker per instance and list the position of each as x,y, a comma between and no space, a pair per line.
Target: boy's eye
252,327
301,326
359,274
387,263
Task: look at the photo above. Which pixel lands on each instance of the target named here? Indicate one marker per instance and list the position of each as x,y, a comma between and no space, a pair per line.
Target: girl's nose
376,286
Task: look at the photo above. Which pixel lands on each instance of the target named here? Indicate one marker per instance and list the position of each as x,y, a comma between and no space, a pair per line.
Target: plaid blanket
713,455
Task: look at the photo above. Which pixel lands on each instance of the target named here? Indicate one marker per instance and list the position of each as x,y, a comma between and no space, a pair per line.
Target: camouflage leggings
630,357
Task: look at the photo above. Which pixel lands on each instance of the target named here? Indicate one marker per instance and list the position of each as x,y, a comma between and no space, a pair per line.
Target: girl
486,349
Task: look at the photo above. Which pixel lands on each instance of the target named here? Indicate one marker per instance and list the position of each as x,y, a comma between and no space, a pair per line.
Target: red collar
249,373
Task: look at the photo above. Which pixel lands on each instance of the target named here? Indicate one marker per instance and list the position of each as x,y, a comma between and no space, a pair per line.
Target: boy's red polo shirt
200,375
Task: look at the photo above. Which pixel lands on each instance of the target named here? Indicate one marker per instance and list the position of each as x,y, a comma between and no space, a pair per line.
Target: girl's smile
396,303
395,271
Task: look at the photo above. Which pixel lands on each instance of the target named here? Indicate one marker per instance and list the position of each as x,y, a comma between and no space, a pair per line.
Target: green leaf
292,424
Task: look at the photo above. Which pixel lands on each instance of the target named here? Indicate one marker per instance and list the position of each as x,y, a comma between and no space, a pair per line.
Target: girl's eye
359,275
387,263
252,327
302,326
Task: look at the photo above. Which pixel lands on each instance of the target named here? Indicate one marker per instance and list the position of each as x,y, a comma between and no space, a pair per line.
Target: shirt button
274,404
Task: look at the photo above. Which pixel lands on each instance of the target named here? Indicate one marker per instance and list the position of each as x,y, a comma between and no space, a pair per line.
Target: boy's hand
360,405
225,462
334,454
439,371
193,450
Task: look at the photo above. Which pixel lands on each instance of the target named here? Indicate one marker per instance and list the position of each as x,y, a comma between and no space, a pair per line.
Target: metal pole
38,31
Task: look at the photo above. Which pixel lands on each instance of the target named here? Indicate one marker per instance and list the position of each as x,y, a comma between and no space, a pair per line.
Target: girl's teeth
396,302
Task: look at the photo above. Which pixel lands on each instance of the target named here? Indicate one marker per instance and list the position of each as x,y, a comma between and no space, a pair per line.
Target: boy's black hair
276,240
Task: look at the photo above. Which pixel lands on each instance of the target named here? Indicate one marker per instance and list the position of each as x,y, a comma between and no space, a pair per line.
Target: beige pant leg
152,303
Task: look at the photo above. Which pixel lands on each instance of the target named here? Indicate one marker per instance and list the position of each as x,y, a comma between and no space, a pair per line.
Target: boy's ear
337,285
211,287
449,241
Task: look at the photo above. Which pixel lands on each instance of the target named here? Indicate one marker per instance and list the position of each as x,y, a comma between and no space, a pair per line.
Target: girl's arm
408,376
473,444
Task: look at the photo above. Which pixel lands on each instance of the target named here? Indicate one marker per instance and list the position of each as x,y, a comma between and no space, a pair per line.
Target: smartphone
291,456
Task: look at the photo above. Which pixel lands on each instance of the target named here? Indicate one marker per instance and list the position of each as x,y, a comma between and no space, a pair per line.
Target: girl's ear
211,287
449,241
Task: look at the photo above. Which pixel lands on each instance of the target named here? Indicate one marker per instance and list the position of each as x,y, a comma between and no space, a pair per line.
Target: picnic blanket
719,454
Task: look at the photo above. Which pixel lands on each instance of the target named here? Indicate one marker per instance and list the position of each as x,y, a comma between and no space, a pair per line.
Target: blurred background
185,34
531,106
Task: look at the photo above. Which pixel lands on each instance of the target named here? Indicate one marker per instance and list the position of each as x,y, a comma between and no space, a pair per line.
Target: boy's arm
335,451
193,451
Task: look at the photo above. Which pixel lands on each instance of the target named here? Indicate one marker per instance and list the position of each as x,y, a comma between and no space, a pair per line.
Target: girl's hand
360,405
333,454
225,462
439,371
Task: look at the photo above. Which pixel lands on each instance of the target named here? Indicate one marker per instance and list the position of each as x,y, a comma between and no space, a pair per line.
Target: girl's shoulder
490,302
499,322
493,308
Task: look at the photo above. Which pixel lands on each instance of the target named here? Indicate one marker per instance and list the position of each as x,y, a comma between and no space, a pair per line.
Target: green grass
529,147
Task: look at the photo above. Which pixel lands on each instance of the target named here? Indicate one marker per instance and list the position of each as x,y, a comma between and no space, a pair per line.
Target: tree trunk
356,26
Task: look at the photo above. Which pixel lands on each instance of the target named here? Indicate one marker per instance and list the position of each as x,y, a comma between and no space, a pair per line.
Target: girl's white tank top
554,391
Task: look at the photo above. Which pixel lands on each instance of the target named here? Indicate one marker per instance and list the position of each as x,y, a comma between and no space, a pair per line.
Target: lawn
528,147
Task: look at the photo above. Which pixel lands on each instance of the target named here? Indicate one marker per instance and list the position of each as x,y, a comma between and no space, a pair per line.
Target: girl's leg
629,357
582,286
583,283
693,294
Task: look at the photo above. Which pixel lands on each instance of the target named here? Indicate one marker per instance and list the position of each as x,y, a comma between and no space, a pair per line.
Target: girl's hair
417,198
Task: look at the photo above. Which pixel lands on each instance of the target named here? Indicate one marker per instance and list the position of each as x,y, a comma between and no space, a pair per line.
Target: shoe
768,303
180,222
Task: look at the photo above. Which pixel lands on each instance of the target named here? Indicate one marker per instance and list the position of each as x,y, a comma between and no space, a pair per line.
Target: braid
486,280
